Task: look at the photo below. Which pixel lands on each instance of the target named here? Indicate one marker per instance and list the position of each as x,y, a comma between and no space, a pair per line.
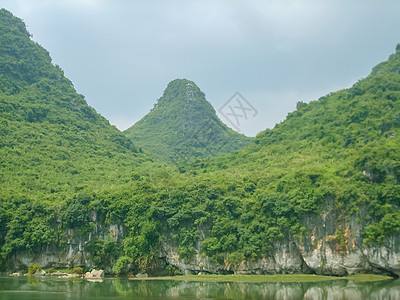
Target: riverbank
230,278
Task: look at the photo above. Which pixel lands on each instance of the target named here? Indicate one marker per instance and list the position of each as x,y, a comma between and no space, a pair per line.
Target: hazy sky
121,54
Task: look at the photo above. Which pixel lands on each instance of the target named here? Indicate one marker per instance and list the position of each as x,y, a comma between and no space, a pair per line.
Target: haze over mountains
319,193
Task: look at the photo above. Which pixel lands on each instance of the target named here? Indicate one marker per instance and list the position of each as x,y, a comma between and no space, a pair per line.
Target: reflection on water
45,288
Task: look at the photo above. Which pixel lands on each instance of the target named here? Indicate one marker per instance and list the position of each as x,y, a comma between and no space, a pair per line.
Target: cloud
121,54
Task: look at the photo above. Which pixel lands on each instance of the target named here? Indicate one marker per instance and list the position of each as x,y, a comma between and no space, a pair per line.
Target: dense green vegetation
338,154
183,126
64,167
55,150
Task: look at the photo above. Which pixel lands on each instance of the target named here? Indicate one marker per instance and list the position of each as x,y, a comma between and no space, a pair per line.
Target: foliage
78,270
103,252
121,265
32,269
76,214
64,167
55,150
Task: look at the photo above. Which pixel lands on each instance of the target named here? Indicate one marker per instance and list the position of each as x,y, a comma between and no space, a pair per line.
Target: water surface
29,288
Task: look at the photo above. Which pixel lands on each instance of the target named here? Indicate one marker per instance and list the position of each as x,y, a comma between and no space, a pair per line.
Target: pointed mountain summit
183,125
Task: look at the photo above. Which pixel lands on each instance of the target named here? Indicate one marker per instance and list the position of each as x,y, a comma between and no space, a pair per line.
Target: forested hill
183,125
52,143
325,181
321,188
338,156
319,193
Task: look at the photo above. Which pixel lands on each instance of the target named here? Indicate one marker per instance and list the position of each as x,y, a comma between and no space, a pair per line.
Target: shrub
78,270
32,269
122,265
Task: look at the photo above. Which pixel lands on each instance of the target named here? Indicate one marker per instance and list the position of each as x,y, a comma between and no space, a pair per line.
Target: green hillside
64,168
53,146
338,156
51,140
183,125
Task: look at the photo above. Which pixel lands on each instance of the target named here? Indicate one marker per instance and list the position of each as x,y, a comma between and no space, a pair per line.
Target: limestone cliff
73,252
326,250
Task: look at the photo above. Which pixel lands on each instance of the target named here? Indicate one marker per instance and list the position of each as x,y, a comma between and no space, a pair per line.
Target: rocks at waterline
94,274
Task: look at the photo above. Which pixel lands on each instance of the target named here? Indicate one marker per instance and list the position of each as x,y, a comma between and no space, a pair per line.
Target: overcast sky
121,54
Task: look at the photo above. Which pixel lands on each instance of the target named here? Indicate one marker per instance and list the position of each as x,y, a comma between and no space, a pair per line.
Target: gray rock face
286,260
289,257
74,253
338,249
329,248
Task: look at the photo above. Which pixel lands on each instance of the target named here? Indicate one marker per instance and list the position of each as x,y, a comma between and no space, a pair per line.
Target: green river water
27,288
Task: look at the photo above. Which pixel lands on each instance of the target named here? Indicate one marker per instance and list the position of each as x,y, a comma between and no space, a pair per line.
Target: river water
27,288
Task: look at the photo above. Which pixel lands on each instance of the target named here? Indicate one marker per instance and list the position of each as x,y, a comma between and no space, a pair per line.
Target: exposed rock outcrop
94,274
75,252
329,248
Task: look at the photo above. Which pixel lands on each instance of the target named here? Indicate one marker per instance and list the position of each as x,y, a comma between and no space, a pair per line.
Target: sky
121,54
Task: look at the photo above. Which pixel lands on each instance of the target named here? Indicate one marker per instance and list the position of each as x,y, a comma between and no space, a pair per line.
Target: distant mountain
183,125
